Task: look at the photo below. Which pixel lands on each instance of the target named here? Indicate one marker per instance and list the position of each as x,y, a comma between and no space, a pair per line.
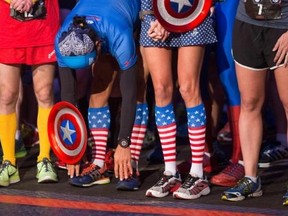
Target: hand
281,48
21,5
122,163
73,170
157,31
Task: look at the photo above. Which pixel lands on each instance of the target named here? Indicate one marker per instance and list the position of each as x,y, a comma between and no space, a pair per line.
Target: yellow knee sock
42,123
7,136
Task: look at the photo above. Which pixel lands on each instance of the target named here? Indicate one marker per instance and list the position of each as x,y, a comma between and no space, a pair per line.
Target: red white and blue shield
67,132
181,15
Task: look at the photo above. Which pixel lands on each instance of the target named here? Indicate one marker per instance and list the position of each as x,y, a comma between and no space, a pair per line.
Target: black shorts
252,45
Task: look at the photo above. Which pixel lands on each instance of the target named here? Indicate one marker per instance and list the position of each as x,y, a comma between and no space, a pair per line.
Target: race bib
263,9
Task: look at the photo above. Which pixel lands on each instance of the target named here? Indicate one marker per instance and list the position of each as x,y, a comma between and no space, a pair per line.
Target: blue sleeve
125,50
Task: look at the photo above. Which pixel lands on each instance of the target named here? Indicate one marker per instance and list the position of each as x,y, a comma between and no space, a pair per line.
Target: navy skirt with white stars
201,35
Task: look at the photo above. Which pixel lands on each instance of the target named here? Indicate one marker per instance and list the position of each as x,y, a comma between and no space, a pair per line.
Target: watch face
124,143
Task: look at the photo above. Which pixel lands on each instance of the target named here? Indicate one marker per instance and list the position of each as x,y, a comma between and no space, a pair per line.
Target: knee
163,93
44,97
251,104
190,94
8,98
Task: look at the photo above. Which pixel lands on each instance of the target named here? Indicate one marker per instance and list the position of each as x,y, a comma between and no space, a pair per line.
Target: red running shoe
229,176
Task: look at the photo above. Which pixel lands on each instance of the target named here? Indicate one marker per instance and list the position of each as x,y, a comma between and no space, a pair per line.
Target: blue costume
225,13
116,34
114,24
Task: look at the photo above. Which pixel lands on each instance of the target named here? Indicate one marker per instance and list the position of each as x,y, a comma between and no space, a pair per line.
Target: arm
128,87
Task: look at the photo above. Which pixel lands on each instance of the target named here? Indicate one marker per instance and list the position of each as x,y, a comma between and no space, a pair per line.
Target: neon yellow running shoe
46,172
8,174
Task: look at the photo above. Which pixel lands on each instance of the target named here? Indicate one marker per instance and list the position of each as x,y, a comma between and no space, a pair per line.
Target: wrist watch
124,142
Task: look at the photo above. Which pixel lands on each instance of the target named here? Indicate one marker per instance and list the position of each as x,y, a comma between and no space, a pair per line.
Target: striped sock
99,123
138,133
196,130
166,126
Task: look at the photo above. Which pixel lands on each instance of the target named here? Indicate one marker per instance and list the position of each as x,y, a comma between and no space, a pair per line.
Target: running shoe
91,175
8,174
216,161
272,153
243,189
225,133
192,188
167,184
20,149
229,176
285,199
130,184
46,172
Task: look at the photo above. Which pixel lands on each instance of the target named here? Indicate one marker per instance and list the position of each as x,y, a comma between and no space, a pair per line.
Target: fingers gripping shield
181,15
67,132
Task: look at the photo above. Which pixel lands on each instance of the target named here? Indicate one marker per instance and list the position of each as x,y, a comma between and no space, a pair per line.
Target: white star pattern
181,4
196,118
165,119
167,132
203,34
141,114
99,119
67,132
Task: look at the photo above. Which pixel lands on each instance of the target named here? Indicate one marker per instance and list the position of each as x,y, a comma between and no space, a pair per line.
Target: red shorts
28,56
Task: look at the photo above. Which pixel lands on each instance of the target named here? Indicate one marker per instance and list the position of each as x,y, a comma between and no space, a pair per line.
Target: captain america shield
67,132
181,15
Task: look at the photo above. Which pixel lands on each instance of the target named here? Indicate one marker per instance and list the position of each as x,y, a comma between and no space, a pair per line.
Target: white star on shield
181,4
67,132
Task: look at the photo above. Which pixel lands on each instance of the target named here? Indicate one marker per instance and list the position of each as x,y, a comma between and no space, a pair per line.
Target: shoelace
190,180
88,169
46,165
245,184
163,180
3,166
